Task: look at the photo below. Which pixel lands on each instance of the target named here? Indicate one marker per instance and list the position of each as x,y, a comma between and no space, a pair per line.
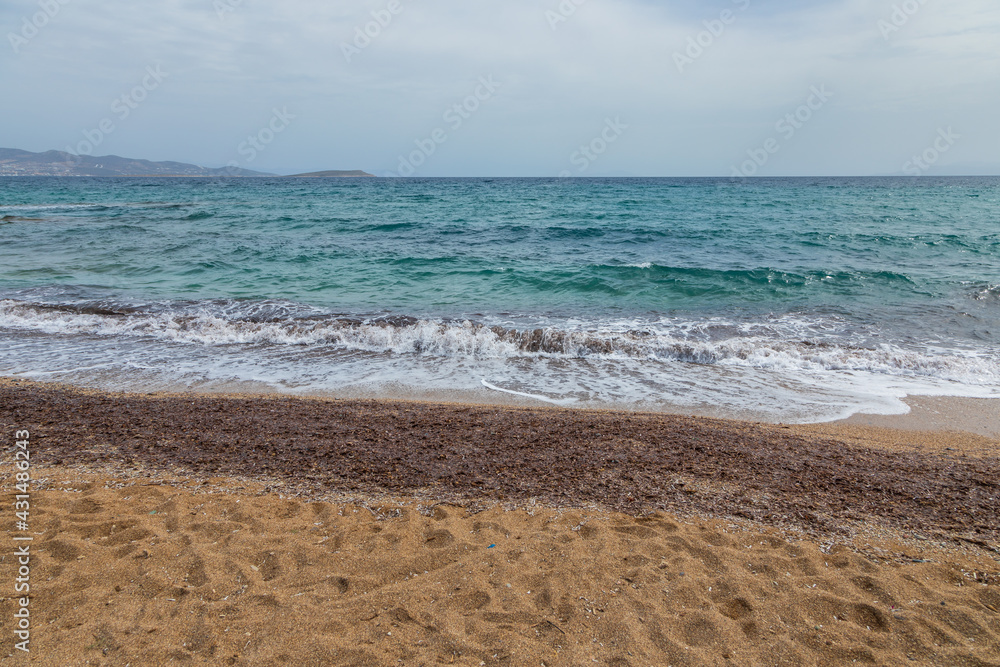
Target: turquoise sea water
790,299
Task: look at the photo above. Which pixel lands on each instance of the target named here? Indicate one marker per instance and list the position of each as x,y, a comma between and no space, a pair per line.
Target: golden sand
152,572
132,564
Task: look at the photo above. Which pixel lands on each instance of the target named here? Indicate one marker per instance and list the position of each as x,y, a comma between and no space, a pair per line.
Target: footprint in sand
269,565
85,506
438,539
869,617
196,575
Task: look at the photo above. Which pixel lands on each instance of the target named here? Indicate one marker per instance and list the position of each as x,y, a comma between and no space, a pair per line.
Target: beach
250,529
406,334
483,421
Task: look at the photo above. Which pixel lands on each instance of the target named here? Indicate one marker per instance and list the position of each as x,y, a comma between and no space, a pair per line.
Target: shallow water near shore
791,300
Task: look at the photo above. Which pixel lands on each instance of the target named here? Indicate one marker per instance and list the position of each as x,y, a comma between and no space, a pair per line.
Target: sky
511,87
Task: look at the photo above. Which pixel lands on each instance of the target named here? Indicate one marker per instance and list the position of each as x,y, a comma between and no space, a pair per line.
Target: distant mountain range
15,162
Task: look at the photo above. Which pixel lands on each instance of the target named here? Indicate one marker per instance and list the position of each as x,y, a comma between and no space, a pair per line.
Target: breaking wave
781,345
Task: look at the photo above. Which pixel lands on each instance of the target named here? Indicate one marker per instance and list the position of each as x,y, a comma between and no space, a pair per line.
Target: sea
786,300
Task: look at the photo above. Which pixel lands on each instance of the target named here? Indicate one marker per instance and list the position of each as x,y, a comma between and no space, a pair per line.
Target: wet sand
270,530
980,416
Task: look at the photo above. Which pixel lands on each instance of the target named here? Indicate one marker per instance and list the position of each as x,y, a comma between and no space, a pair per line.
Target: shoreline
927,413
979,416
821,479
190,527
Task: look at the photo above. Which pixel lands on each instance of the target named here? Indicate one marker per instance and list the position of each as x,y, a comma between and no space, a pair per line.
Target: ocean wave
50,208
779,346
984,291
757,276
84,207
200,215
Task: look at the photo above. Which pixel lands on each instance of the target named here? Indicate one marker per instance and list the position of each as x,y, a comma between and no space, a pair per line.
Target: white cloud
608,58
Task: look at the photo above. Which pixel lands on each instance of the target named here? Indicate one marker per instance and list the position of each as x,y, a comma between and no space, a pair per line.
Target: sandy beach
941,413
407,334
259,530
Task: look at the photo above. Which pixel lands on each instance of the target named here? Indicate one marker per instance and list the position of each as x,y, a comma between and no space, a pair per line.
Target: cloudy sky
582,87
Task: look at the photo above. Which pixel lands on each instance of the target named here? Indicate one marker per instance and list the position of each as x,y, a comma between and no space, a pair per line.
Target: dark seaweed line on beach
626,462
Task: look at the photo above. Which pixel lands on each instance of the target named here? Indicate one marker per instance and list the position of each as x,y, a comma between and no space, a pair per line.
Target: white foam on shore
791,369
537,397
783,345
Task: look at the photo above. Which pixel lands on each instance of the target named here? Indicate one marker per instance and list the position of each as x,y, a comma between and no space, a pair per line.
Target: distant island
16,162
355,173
